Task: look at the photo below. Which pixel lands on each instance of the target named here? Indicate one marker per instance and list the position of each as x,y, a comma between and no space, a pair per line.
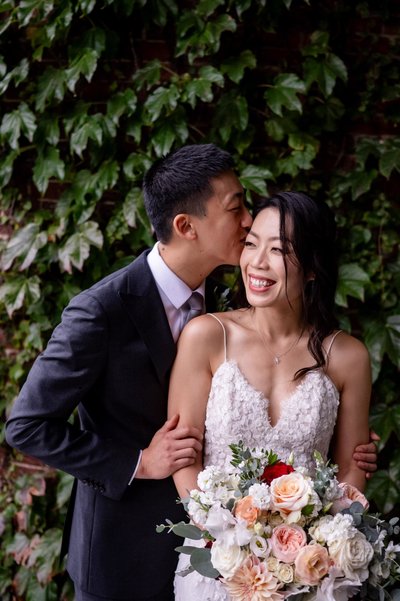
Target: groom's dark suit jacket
111,355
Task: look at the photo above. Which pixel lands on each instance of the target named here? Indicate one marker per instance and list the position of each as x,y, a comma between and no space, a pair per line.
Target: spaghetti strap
331,342
223,328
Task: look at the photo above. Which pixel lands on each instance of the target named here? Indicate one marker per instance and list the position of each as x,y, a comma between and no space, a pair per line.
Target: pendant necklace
278,357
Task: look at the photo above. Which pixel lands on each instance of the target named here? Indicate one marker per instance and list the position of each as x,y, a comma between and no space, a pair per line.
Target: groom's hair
181,183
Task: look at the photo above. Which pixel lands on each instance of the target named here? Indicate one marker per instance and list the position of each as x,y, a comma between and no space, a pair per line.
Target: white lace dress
236,411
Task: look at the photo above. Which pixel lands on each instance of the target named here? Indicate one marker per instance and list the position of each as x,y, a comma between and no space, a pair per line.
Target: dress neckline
316,372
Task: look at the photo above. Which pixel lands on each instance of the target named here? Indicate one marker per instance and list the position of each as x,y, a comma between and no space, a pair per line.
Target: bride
277,374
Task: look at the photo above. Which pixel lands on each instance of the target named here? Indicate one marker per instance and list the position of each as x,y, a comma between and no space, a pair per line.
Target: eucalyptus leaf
200,559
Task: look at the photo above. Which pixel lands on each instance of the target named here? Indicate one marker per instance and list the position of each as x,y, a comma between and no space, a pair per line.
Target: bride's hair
308,230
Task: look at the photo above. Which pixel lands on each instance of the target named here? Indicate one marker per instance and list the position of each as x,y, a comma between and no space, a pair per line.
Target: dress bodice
237,411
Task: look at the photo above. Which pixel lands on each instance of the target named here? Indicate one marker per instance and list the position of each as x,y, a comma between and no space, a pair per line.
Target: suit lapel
144,306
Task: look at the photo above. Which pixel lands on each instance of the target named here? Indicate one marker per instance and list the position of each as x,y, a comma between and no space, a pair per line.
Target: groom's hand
171,448
366,455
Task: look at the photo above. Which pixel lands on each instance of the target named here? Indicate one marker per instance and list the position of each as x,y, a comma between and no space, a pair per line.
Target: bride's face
267,281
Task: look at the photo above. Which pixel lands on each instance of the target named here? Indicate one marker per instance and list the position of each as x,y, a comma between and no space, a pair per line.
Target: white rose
352,555
227,559
218,520
272,564
285,573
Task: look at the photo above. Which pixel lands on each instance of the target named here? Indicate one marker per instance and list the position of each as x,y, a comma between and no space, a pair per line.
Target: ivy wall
305,95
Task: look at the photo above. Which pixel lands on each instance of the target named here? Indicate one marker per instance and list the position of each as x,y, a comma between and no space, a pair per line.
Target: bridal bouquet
273,532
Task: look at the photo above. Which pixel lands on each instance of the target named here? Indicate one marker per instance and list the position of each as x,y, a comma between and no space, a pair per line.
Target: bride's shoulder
346,353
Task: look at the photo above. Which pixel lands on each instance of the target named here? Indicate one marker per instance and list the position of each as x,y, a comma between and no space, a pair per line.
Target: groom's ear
183,226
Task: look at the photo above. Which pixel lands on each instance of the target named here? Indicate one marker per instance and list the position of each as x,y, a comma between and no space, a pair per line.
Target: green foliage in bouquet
304,96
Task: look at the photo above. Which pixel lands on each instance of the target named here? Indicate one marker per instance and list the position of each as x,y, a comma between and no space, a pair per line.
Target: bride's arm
189,388
350,367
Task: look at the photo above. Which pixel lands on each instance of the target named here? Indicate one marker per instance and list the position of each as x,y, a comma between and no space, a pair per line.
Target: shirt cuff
136,468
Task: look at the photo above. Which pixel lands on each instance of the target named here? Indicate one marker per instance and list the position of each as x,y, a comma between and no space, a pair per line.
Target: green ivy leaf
48,131
135,166
235,67
206,8
51,86
20,121
133,200
361,182
389,160
77,248
89,128
47,165
84,64
27,9
24,245
46,554
254,178
232,113
164,136
385,420
18,75
123,103
324,71
384,488
86,6
283,94
148,76
393,343
352,282
162,99
17,290
6,167
64,487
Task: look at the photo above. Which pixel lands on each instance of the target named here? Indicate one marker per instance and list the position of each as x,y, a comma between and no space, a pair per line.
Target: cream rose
289,494
352,555
227,559
351,494
285,573
311,564
286,541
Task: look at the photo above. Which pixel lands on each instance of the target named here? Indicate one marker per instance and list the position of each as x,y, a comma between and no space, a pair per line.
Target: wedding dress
237,411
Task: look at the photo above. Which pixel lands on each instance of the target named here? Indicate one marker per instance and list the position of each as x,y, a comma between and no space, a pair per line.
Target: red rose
274,471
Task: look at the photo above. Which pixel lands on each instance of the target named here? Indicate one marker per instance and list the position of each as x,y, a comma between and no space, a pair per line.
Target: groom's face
223,229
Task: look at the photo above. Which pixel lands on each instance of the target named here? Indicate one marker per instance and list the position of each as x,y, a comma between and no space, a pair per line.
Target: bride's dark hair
308,230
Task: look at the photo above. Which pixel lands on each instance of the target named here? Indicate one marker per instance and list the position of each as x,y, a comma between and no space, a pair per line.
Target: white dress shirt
174,295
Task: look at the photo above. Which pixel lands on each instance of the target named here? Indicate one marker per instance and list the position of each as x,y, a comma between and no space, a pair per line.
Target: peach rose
289,494
311,564
351,494
286,541
245,510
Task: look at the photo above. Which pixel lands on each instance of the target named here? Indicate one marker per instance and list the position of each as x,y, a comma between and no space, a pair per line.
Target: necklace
278,357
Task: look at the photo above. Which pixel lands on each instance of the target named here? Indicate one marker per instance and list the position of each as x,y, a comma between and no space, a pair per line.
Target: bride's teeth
259,283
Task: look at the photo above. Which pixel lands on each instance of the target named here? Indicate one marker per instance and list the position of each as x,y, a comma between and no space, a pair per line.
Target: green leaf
77,248
86,6
200,559
164,136
136,166
123,103
384,488
352,282
6,167
48,131
27,9
16,291
45,555
385,420
133,200
83,64
22,120
198,88
361,182
232,113
48,165
254,178
51,86
88,129
324,71
148,76
18,74
389,160
64,487
162,100
234,67
24,245
283,94
206,8
393,343
187,531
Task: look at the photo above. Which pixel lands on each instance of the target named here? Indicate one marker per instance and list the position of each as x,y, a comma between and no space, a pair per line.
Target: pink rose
245,509
311,564
286,541
351,494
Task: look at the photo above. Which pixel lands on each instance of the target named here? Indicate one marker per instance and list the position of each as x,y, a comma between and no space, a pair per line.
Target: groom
110,357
